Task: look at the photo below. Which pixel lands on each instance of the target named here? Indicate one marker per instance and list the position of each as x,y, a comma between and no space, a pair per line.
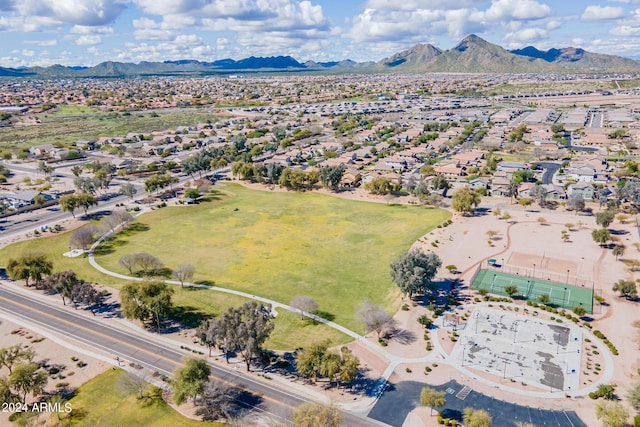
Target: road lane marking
137,349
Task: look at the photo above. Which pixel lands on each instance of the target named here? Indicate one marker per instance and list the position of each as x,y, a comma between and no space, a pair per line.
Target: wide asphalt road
145,351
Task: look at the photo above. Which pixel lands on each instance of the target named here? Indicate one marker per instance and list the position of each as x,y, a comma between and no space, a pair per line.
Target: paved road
550,168
403,397
97,333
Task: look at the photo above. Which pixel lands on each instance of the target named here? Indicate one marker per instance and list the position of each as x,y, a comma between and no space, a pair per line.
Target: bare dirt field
71,372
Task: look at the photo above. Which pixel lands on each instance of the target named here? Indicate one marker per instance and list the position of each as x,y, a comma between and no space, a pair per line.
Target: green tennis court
560,295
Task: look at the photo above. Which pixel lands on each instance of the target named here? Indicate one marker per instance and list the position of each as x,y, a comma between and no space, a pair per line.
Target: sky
87,32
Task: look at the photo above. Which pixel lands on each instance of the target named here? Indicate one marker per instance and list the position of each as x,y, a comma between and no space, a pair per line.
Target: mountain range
471,55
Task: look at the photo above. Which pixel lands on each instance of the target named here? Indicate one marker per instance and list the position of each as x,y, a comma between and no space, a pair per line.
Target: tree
146,301
612,414
310,360
243,329
330,176
633,397
62,282
414,271
525,202
128,261
6,394
148,263
627,289
83,237
130,382
618,251
579,310
605,218
68,203
189,380
28,378
576,202
465,200
10,356
183,273
85,201
432,398
85,184
374,317
191,193
303,304
76,170
34,265
128,190
511,290
440,183
85,293
539,194
316,360
255,327
217,401
512,190
476,418
317,415
118,218
601,236
380,185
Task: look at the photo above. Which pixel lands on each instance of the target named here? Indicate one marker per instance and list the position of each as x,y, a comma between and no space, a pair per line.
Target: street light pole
564,297
567,276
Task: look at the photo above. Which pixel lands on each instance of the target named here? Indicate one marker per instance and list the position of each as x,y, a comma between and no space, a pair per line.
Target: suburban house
584,189
43,150
20,198
583,173
555,192
477,183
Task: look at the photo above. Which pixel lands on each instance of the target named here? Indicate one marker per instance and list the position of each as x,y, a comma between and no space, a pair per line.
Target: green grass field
271,244
101,402
560,295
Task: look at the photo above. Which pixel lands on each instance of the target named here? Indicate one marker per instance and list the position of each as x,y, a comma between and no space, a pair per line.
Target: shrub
636,421
407,370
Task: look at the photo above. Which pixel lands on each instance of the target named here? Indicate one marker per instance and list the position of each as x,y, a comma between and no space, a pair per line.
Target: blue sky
86,32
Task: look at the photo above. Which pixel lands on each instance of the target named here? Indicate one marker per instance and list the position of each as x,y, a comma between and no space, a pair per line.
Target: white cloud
88,40
421,4
625,31
84,29
553,24
501,10
85,12
152,34
601,13
53,42
526,35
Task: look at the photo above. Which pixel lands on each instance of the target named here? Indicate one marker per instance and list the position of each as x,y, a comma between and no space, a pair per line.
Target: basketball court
521,348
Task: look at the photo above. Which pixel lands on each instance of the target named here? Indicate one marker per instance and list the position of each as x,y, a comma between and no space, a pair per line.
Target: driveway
401,398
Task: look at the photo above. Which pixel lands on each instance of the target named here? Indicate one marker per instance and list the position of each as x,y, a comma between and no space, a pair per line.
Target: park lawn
282,244
275,245
192,305
74,109
100,402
